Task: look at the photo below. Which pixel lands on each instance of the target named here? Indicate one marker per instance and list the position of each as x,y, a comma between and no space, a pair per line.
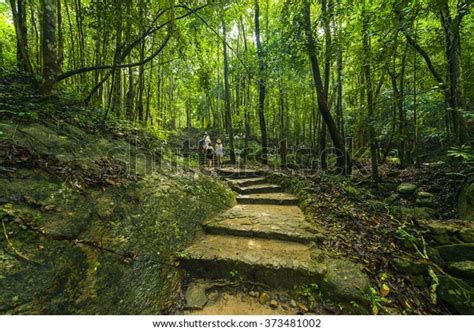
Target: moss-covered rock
457,252
467,235
408,266
344,282
406,188
424,195
456,294
463,269
421,213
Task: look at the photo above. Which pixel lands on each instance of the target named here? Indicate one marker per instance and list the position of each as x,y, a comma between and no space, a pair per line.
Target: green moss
87,241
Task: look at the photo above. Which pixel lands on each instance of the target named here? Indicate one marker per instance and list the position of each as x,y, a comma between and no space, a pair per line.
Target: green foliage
463,153
307,291
376,301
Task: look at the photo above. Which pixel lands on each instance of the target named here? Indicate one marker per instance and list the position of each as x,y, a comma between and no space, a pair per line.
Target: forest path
264,240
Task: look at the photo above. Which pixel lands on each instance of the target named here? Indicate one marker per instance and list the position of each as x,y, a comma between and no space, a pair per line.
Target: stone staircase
264,239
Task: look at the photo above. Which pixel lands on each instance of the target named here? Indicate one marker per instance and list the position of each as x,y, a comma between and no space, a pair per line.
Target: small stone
196,297
253,294
283,298
264,298
284,307
273,303
406,188
293,303
424,195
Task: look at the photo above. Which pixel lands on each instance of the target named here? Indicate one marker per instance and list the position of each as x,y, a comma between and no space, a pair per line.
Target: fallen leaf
384,290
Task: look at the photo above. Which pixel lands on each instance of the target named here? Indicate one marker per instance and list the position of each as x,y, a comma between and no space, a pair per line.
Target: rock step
272,262
259,188
263,221
268,199
243,182
239,173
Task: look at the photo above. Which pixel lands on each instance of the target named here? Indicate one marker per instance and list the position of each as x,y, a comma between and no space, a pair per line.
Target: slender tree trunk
19,21
283,137
228,111
261,87
343,158
415,113
403,135
339,65
370,94
60,38
130,94
48,43
451,27
141,70
117,73
80,35
326,12
23,41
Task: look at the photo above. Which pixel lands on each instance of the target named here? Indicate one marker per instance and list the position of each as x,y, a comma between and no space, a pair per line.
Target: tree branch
130,47
426,57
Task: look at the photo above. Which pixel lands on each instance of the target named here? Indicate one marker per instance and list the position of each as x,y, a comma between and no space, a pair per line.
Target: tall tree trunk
326,12
117,73
283,137
228,111
19,22
451,28
141,70
415,113
403,132
343,158
246,97
60,38
339,65
80,35
48,46
130,94
261,87
370,95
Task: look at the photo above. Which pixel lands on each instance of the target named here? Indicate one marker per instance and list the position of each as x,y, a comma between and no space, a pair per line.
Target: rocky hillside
92,216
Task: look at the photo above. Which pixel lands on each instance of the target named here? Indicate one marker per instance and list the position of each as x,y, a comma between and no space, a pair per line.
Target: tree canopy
382,79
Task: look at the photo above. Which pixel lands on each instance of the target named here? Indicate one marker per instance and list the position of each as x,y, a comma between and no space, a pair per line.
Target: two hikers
207,151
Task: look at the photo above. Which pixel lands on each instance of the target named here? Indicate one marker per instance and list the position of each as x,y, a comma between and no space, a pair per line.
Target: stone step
244,182
268,199
263,221
259,188
272,262
239,173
